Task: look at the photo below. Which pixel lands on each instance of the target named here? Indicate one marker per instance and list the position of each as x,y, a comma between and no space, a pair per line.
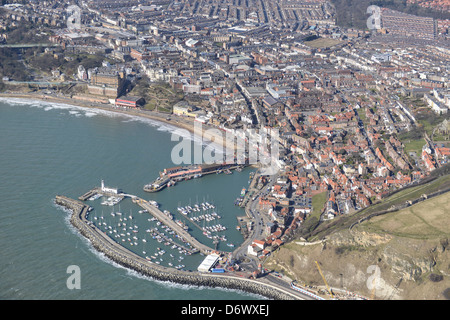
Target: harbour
163,218
103,243
45,144
173,230
125,230
195,214
218,268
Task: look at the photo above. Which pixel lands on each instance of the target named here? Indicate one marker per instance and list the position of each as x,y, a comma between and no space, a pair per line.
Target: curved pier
186,173
128,259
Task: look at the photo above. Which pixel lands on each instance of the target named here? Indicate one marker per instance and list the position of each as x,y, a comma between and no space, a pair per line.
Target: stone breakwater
117,253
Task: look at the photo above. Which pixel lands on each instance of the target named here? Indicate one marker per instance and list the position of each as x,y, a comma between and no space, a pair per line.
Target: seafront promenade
119,254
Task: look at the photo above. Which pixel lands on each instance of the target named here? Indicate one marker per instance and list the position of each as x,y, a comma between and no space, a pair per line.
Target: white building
108,190
208,263
191,43
381,57
256,247
435,105
82,74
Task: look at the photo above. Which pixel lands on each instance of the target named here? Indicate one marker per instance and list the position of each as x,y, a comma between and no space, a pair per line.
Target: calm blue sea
48,149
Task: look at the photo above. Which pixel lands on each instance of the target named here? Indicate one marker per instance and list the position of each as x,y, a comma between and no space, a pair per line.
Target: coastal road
258,228
280,283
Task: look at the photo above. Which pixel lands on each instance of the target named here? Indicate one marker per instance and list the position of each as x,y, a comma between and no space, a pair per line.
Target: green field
414,146
158,96
345,221
318,201
426,220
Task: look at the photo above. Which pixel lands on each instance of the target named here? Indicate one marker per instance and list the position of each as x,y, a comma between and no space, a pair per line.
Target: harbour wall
117,253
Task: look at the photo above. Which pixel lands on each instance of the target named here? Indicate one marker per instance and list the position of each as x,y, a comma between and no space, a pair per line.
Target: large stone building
106,82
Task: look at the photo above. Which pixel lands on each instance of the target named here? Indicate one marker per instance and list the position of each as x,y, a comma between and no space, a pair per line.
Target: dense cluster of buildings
437,5
340,102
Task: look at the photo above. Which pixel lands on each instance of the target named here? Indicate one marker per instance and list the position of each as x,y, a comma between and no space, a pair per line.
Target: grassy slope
406,245
400,197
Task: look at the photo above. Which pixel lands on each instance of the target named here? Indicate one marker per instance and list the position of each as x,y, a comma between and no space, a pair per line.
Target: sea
49,149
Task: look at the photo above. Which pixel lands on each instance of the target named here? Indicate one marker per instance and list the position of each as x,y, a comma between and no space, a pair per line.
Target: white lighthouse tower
108,190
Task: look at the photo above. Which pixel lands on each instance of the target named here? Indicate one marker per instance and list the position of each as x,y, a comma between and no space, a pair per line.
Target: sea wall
128,259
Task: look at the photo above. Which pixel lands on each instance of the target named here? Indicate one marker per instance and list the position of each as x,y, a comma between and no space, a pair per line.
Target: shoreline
138,264
179,122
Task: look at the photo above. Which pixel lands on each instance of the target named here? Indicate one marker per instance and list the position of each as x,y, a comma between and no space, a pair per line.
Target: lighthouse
108,190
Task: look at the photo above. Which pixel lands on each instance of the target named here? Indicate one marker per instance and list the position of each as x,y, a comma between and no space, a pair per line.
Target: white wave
179,286
19,101
128,120
62,208
49,105
163,128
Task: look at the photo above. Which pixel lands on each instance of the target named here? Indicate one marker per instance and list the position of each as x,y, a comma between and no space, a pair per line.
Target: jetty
128,259
157,185
89,194
169,240
163,218
180,173
103,191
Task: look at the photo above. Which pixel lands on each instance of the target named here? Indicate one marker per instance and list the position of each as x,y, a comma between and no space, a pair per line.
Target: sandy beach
186,123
